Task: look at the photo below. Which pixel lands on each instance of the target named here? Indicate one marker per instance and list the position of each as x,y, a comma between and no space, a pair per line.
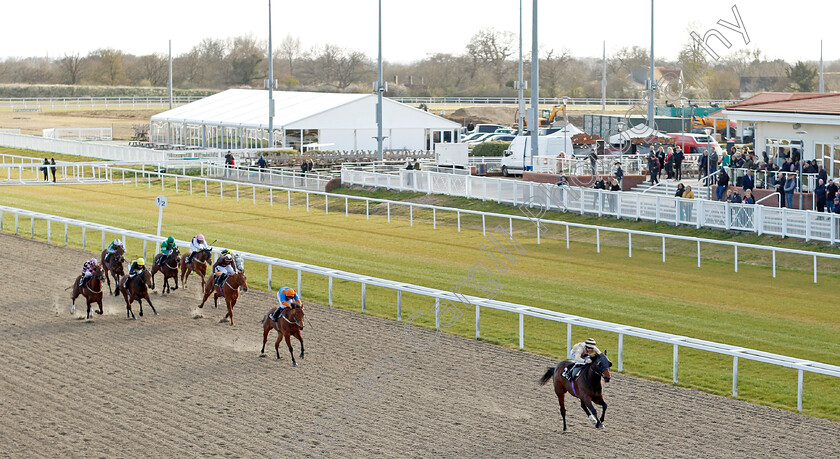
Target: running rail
736,352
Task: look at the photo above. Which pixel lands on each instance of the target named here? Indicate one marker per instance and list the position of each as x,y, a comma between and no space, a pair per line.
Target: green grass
41,155
787,315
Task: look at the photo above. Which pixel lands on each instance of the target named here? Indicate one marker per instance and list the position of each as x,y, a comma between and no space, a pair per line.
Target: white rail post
567,236
388,207
663,249
364,288
49,231
483,226
330,289
477,322
237,192
629,245
410,215
298,281
84,237
799,391
367,209
434,218
16,225
521,331
271,197
103,240
327,206
734,376
65,235
774,264
269,277
620,352
144,248
176,184
346,208
698,254
459,225
568,339
399,305
221,190
736,258
815,269
307,202
437,313
289,199
191,190
254,188
205,188
597,240
676,361
538,233
31,227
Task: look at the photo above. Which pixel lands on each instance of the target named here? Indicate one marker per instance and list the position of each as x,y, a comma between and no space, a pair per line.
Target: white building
238,118
784,121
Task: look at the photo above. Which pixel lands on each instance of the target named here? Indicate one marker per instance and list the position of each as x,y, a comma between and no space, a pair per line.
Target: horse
587,387
230,291
169,268
198,264
289,324
137,288
113,266
92,291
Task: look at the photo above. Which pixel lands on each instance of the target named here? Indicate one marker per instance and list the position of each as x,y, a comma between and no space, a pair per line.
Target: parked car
472,136
488,128
695,143
500,138
480,138
506,131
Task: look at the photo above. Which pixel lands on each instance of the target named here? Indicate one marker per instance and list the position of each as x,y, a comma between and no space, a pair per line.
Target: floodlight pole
520,122
170,74
271,87
380,88
652,88
535,89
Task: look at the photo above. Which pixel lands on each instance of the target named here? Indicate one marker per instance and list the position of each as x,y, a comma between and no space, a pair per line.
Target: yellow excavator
547,116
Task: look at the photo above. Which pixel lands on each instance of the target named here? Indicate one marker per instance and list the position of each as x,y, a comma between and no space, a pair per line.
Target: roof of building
790,102
299,110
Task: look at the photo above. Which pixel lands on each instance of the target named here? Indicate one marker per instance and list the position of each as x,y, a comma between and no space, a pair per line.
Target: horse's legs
586,402
561,397
230,310
176,280
300,338
140,302
600,401
116,284
88,309
266,330
277,344
165,284
100,306
291,351
207,290
154,311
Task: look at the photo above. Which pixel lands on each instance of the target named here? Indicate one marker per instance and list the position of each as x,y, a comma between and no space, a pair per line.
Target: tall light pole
535,89
270,85
652,88
170,75
380,88
520,122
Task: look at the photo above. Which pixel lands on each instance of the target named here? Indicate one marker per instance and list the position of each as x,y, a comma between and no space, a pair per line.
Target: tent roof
249,108
639,131
567,130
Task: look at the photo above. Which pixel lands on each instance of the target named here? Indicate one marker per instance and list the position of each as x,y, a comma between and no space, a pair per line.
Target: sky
414,29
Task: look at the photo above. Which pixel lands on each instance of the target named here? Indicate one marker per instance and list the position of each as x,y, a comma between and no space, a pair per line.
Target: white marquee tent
238,118
639,131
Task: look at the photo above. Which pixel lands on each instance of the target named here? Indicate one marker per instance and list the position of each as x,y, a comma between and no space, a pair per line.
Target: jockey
196,245
166,247
112,247
138,266
581,354
87,271
284,295
224,265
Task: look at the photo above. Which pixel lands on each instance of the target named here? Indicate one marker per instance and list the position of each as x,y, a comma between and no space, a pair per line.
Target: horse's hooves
262,355
176,288
294,364
99,312
133,318
141,313
157,314
600,426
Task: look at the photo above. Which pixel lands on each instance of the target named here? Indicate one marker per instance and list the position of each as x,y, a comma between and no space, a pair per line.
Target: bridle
100,277
291,308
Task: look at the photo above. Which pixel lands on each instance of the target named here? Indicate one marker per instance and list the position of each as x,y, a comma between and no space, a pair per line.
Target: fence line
571,101
92,103
803,224
736,352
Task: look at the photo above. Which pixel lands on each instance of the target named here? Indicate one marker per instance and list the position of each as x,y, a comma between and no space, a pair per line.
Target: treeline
488,66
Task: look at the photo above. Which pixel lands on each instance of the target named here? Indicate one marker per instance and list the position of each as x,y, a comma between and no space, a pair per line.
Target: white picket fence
803,224
736,352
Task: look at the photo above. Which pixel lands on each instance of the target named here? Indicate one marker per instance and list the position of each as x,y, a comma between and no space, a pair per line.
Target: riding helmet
141,262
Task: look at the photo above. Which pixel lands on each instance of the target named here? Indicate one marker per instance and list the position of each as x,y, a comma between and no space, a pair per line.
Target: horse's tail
549,373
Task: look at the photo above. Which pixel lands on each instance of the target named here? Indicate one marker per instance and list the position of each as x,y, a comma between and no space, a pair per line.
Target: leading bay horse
198,265
229,291
113,266
169,268
587,387
92,291
289,324
137,288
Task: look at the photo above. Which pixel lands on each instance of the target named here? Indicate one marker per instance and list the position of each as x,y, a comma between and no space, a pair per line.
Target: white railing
92,103
277,177
587,101
77,148
604,165
6,158
736,352
9,131
803,224
102,133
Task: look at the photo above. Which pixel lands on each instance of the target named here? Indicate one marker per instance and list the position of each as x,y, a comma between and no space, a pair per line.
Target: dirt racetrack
175,385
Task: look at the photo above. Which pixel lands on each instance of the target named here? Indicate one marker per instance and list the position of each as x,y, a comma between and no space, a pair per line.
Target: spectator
303,167
52,168
780,188
790,186
593,161
713,165
685,207
600,184
723,183
619,173
660,155
726,161
822,174
734,197
830,193
669,163
819,195
311,165
261,162
45,170
680,190
409,167
679,156
653,168
703,167
417,164
749,162
748,182
614,185
228,163
748,197
836,206
562,181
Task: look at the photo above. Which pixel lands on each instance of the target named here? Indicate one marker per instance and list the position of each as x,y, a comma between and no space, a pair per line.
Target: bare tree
552,67
71,67
490,49
109,66
335,66
155,69
245,61
290,51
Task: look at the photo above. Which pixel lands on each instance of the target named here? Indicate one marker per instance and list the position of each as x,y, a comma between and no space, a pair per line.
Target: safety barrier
441,309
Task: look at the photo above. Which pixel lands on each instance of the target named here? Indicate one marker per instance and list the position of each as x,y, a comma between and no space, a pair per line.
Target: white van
518,155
